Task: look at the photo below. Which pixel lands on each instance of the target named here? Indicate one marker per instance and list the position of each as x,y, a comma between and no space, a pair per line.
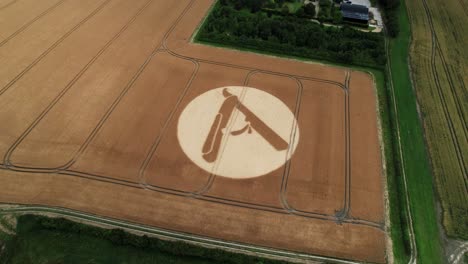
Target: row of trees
270,5
278,3
253,5
390,10
290,35
122,238
329,12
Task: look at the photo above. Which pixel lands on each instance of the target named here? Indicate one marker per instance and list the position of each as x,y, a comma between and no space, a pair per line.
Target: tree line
290,35
121,238
389,8
390,16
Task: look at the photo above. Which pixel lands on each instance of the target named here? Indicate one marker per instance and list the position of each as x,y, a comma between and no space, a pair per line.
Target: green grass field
416,165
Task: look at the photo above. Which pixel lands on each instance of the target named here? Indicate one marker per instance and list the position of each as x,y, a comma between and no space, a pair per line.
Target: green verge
417,167
41,239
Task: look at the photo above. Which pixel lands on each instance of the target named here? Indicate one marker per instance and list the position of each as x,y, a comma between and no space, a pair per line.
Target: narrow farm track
284,180
347,202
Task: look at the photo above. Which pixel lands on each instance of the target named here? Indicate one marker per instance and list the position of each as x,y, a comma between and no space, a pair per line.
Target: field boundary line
347,199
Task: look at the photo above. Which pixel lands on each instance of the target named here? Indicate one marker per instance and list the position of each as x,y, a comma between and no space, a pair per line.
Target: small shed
355,13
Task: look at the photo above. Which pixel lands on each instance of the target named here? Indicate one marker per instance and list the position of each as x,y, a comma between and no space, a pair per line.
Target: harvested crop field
108,108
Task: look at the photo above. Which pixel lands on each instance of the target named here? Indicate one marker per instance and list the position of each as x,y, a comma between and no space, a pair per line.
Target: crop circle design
238,132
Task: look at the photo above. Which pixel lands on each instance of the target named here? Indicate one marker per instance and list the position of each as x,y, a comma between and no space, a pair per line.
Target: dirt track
92,111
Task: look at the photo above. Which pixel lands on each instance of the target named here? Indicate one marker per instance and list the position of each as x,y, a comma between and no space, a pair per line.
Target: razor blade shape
212,143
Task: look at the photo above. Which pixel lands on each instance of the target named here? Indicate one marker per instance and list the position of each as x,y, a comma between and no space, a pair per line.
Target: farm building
355,13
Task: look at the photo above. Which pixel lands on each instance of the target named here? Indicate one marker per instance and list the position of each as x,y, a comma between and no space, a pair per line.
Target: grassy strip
419,178
395,184
56,240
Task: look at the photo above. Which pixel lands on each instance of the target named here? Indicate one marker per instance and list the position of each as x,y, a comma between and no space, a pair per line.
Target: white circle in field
238,132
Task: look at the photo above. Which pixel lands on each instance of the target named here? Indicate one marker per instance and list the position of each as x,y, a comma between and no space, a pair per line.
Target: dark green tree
309,9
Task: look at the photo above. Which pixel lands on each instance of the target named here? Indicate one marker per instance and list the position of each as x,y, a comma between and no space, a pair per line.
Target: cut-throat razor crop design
231,103
238,132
